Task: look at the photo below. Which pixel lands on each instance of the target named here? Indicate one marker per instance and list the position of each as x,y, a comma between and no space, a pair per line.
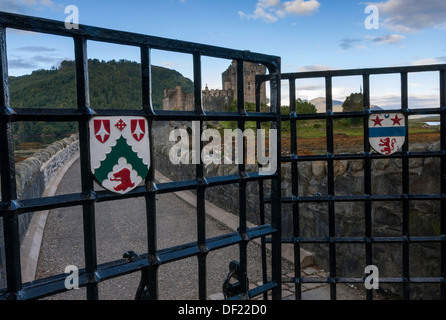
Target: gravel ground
121,226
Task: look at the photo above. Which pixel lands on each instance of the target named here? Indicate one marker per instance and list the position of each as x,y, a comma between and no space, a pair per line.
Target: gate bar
88,209
150,186
443,181
201,187
8,182
405,187
29,23
367,178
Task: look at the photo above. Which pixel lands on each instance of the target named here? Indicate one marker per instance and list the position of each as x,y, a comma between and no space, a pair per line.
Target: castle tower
229,80
219,100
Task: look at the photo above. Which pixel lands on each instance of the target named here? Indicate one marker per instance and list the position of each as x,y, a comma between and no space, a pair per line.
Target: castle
215,99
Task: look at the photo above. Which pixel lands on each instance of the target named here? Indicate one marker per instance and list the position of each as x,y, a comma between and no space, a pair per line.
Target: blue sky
306,34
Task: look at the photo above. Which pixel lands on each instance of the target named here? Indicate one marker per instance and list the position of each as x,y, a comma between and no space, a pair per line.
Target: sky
307,35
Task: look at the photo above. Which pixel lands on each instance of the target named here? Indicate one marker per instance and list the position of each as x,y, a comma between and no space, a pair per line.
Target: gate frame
11,207
368,240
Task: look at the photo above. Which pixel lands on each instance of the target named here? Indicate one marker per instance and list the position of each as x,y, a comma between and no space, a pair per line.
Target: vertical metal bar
443,182
295,190
243,246
8,181
330,177
150,197
258,88
367,178
83,104
201,189
405,187
276,189
146,80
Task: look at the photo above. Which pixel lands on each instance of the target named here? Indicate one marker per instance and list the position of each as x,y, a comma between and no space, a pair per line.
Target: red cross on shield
138,127
102,130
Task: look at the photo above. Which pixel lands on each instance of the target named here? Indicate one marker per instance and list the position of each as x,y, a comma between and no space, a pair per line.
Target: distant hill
321,102
113,84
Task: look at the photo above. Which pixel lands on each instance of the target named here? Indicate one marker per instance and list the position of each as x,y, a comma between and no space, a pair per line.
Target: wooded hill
113,85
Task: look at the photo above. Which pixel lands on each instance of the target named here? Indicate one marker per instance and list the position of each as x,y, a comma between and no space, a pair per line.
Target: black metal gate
367,198
93,273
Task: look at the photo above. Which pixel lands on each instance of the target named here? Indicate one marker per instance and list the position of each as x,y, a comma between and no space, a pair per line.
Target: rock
340,167
318,169
381,164
357,165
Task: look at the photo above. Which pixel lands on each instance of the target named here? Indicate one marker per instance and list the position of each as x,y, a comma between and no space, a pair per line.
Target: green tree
354,102
305,106
113,84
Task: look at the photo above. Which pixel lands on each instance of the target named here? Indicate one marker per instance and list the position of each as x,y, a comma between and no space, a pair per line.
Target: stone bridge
37,176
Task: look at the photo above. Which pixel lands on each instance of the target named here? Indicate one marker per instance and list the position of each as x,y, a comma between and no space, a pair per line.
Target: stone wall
229,80
424,217
33,175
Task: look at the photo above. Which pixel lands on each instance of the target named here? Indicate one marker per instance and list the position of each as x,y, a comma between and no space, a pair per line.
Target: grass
317,128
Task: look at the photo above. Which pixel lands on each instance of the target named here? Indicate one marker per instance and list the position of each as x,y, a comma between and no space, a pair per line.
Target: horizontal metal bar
48,114
360,198
166,115
66,115
261,289
302,280
41,25
255,292
56,284
399,239
362,156
359,114
356,72
78,199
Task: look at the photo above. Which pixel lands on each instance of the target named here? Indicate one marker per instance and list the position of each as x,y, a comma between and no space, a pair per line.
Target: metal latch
233,289
141,292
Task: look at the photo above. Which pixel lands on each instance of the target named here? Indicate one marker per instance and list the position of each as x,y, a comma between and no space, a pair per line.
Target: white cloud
315,67
348,43
23,6
36,48
301,7
390,38
269,3
272,10
407,16
426,61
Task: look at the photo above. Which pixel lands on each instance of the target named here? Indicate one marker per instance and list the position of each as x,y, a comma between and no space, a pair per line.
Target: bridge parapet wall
33,176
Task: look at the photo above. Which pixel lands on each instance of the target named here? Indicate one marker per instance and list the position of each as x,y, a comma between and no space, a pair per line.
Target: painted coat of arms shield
119,152
387,132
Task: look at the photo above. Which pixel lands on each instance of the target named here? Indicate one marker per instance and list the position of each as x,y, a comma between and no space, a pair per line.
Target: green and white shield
119,152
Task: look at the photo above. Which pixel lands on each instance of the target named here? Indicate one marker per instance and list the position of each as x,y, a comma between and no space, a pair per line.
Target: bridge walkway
121,226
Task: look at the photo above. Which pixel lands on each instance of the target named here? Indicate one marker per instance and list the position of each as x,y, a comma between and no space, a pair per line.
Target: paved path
121,226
